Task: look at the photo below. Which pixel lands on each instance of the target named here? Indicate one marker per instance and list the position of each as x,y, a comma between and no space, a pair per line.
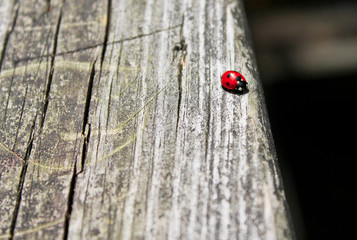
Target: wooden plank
5,26
127,104
124,131
199,162
8,182
63,75
21,88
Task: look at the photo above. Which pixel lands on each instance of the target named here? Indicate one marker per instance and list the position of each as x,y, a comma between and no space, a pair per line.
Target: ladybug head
241,86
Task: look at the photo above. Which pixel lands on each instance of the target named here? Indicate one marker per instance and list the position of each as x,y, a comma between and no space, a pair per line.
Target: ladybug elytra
234,81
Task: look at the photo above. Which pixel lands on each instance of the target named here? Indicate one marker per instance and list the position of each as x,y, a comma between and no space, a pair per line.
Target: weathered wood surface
114,124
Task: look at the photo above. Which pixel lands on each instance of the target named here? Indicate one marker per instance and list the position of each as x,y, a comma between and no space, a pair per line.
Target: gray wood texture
114,124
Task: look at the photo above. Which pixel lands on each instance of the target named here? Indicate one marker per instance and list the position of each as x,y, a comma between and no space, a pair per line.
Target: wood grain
115,126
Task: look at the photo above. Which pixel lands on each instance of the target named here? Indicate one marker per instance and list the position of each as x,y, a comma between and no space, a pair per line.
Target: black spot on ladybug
229,75
238,78
227,84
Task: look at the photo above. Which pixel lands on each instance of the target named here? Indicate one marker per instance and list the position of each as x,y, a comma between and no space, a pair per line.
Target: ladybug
234,82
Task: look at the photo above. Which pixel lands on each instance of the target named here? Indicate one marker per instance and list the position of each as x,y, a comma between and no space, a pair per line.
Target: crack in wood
86,137
106,33
9,32
109,101
208,124
179,85
182,62
48,5
86,128
101,44
88,97
50,75
21,116
21,182
18,201
70,197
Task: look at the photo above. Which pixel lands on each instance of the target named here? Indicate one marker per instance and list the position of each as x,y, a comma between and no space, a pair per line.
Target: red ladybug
234,81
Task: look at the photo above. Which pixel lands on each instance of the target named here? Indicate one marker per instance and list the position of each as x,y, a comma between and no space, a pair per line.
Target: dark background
307,58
